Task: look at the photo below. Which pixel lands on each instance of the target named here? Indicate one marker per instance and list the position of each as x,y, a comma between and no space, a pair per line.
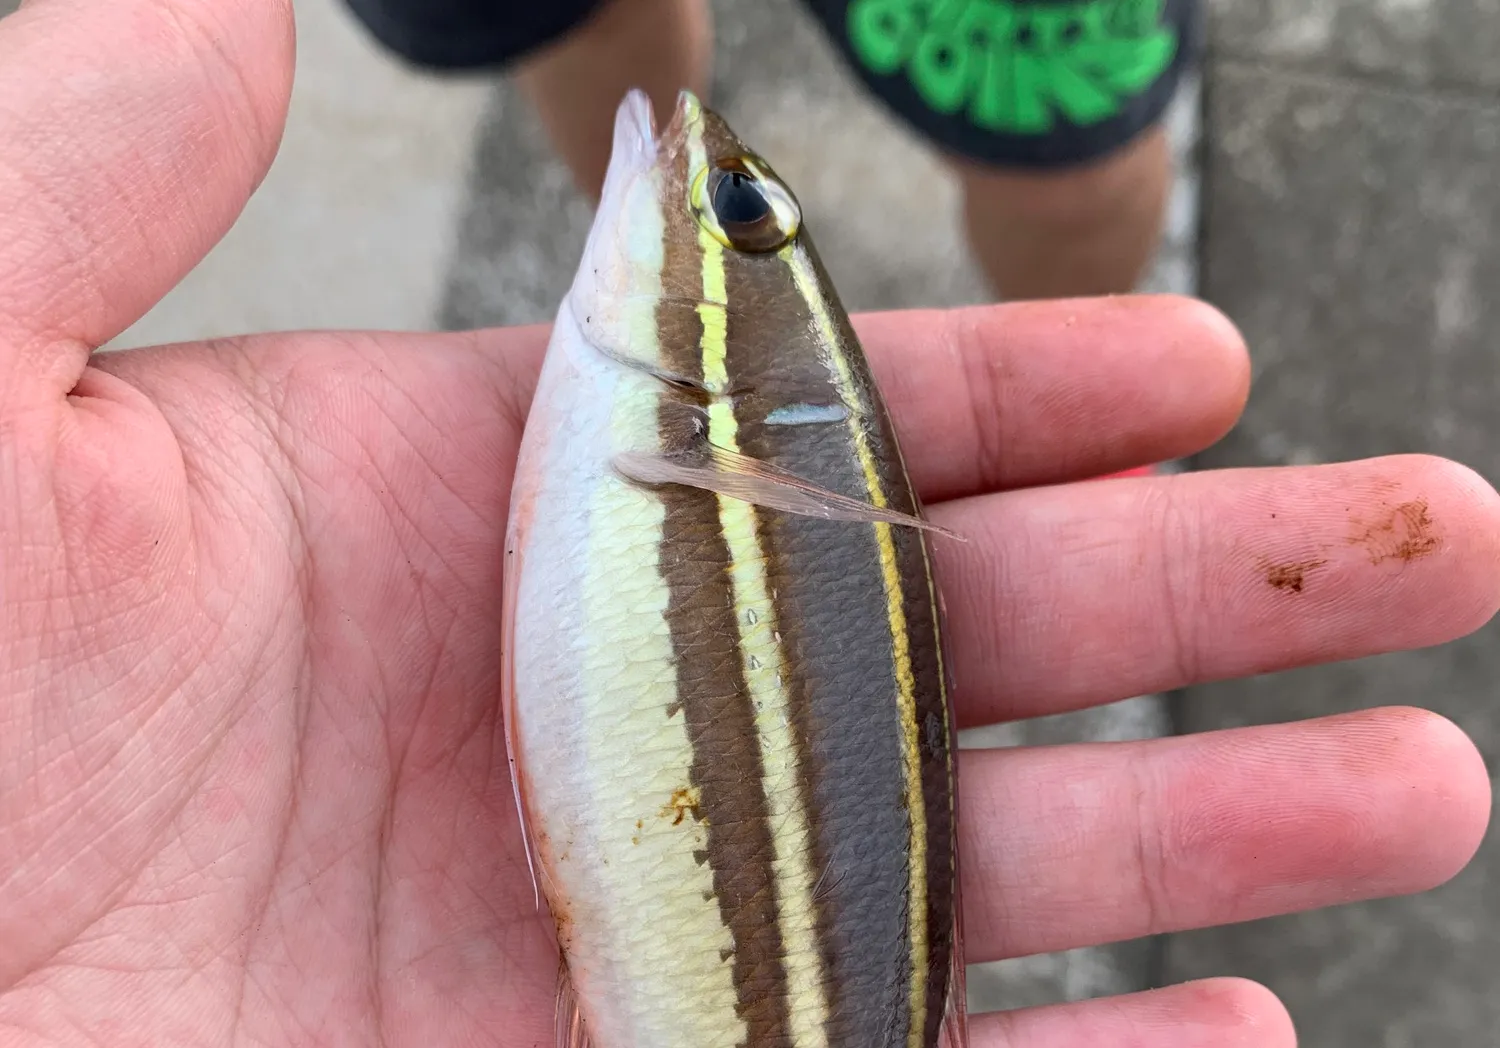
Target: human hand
252,783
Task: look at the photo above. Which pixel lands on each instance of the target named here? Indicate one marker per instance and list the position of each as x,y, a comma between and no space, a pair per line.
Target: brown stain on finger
1291,577
1405,532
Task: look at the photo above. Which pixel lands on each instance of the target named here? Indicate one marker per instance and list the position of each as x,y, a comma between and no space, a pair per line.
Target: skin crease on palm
252,783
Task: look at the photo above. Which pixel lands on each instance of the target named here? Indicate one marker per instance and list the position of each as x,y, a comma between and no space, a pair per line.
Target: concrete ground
1349,208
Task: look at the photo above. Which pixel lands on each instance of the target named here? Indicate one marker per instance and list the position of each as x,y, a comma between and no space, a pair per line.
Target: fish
726,697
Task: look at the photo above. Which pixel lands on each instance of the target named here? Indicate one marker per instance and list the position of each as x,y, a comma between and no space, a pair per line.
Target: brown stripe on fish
937,743
712,691
938,733
713,697
679,321
763,665
833,615
855,893
921,690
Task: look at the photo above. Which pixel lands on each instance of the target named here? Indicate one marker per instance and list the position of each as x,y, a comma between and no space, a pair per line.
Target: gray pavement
1352,230
1350,212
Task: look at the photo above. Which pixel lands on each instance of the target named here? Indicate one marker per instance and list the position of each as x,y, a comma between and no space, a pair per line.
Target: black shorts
1020,83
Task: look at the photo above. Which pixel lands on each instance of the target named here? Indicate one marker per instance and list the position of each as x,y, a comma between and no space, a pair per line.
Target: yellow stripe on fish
807,284
764,665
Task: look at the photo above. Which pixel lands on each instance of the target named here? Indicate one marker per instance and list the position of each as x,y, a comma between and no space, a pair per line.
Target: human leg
574,59
1089,230
1050,114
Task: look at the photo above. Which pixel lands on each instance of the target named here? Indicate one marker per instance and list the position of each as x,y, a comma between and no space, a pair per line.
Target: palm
252,785
281,587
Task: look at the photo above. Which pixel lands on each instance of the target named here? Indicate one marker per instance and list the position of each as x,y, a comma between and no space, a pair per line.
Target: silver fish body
726,701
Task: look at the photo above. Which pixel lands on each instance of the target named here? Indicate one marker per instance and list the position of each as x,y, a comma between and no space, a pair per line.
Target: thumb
134,131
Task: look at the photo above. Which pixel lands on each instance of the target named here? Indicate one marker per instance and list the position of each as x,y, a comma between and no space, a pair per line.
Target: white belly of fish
606,770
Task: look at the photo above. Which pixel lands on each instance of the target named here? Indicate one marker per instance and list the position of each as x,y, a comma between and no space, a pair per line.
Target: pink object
1139,471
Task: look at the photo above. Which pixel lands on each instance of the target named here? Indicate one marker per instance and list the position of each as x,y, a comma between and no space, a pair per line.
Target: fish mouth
633,152
629,184
685,113
635,123
639,141
635,131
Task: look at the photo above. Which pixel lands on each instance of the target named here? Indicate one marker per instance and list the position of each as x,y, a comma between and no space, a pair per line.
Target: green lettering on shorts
1017,67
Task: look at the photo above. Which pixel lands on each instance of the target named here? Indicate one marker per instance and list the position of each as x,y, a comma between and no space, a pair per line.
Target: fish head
687,212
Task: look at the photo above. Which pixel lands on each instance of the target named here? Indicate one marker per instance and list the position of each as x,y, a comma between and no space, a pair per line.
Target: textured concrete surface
1436,44
1350,228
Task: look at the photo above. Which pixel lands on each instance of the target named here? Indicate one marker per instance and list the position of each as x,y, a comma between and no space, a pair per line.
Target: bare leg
1083,231
660,46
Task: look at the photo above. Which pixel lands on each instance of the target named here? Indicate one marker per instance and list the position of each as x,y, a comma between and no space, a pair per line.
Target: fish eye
745,206
737,198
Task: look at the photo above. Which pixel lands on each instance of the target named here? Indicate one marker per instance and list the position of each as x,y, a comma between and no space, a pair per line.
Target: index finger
1028,393
134,131
1023,393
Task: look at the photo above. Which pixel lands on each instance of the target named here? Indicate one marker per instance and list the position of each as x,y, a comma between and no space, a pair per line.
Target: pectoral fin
760,483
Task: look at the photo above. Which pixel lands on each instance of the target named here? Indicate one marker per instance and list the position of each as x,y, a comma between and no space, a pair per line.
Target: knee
1131,180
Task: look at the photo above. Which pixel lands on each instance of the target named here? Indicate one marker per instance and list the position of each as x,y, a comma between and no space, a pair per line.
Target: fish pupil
739,200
